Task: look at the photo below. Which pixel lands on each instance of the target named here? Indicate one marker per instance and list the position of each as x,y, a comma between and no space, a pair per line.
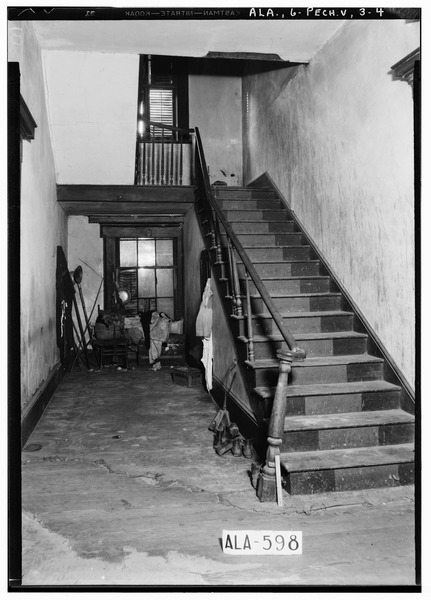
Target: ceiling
292,40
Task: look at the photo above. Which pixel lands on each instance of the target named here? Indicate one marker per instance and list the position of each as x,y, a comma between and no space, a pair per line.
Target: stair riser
263,227
306,324
223,193
321,374
268,239
283,269
256,204
279,254
342,403
256,215
349,437
268,349
293,286
299,304
357,478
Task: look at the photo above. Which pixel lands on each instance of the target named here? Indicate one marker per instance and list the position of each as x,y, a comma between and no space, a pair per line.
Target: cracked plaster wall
43,223
337,139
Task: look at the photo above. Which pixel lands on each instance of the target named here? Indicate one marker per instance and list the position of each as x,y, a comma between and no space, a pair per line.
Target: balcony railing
165,155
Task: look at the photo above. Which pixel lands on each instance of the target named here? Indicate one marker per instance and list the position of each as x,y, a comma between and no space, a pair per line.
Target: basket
187,376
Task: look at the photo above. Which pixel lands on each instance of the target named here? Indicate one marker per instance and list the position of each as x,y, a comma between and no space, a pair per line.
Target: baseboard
392,372
40,401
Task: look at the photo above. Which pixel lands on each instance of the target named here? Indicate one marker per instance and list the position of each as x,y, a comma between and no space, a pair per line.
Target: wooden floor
127,490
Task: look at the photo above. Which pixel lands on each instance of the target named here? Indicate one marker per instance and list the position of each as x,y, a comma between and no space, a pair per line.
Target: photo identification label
262,542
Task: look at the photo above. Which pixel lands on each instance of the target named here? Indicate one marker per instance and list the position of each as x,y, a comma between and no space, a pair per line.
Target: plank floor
127,490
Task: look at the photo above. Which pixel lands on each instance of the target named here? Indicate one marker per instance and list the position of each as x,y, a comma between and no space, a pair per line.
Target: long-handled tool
77,277
81,331
87,328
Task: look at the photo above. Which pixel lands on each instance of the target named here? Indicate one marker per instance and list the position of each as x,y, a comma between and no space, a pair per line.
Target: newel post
266,485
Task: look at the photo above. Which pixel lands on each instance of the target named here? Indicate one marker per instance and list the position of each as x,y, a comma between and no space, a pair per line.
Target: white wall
85,249
92,100
337,139
43,225
215,107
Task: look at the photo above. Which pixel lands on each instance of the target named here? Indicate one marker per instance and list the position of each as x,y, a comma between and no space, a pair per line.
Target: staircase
344,427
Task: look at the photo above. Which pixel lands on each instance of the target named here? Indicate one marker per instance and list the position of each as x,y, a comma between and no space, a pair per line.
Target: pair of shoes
156,366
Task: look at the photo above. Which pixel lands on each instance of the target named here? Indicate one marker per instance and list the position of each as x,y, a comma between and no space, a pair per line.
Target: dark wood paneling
137,220
125,199
126,231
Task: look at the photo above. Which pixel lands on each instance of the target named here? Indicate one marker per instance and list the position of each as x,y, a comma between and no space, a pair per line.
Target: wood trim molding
27,123
36,407
405,68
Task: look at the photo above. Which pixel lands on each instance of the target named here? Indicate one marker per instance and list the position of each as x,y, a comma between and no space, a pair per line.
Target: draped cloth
204,330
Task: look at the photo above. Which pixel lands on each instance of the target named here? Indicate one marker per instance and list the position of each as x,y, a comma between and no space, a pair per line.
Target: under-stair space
345,428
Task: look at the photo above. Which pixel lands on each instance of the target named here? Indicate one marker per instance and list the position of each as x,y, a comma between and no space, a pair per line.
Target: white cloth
204,330
207,360
205,314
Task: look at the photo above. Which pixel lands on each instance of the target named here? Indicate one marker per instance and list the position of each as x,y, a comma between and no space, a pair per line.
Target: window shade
161,109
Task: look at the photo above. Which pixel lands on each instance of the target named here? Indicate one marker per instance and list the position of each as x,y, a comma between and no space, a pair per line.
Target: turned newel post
266,485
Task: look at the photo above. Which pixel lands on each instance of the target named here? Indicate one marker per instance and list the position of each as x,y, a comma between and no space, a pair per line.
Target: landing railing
164,155
215,221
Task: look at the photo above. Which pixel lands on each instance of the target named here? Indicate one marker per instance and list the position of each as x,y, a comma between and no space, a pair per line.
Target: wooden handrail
288,337
164,126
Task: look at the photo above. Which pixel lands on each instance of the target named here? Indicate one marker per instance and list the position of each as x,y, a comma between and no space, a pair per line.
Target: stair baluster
181,159
232,286
162,158
172,159
219,257
141,163
250,343
266,485
153,156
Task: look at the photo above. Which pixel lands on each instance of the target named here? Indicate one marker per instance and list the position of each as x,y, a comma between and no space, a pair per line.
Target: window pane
165,282
166,305
165,257
128,253
146,283
146,253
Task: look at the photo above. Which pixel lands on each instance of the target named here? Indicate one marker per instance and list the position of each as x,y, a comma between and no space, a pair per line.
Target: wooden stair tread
347,420
289,277
331,389
330,335
317,313
317,361
347,457
273,246
259,221
303,295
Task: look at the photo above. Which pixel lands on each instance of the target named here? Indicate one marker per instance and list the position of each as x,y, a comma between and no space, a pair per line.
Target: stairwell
345,426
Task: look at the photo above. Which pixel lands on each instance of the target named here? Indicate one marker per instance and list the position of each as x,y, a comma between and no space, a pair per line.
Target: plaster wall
337,139
215,107
92,104
85,249
43,224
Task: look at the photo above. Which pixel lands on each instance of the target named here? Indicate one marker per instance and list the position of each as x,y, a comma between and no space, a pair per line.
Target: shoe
236,448
247,449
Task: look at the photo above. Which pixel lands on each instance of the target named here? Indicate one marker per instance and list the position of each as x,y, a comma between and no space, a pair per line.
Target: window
163,94
147,272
